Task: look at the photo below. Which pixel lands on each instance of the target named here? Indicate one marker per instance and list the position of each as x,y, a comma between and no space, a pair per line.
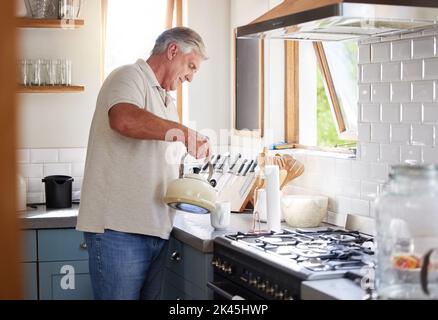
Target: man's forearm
133,122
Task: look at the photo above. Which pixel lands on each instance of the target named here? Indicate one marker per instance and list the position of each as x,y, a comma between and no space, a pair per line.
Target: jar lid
426,170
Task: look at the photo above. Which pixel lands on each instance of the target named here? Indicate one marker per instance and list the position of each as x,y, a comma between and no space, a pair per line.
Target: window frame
291,101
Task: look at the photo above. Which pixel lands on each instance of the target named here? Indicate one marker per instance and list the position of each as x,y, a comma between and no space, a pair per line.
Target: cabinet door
67,280
173,283
61,245
30,281
29,243
189,263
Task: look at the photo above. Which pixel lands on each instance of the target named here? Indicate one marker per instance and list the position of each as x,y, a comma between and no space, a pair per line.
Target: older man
127,169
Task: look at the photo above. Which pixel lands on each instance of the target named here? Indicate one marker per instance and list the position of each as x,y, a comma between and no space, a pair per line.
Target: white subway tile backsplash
57,169
430,155
35,197
430,112
369,152
342,205
369,190
77,169
43,155
431,69
364,53
23,156
401,92
359,169
77,183
401,50
371,72
35,185
390,153
400,133
411,154
360,207
379,172
390,112
422,135
391,71
412,70
381,52
364,132
370,112
423,47
422,91
72,155
31,170
380,133
380,92
364,93
343,168
411,113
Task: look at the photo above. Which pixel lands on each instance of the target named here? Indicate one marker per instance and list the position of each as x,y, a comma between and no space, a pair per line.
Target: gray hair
185,38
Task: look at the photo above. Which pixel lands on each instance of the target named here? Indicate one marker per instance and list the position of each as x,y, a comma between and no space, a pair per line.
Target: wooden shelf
50,89
50,23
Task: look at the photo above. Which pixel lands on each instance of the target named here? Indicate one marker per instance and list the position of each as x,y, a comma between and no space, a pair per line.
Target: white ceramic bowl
304,211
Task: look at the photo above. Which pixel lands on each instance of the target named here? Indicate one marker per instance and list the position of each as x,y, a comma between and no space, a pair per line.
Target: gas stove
273,265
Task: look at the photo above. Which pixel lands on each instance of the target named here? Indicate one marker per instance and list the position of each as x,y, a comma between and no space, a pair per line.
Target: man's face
182,67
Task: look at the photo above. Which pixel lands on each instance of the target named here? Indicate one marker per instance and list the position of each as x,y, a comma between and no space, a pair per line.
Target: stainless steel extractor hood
335,20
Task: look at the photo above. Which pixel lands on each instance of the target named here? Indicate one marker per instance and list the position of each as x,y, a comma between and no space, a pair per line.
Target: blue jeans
125,266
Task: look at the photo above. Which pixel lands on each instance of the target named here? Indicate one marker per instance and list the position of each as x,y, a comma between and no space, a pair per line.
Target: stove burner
341,237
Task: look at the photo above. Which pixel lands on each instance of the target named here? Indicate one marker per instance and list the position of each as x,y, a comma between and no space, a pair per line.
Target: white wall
209,92
62,120
398,120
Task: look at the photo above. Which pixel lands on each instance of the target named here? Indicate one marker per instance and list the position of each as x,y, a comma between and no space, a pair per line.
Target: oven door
224,289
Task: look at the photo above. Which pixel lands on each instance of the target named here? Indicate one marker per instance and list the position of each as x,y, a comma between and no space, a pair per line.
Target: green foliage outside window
327,134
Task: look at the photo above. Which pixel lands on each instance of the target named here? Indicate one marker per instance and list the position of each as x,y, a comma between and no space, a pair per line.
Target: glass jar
407,234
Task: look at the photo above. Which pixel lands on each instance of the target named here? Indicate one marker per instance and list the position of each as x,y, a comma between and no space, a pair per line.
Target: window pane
342,62
132,27
327,134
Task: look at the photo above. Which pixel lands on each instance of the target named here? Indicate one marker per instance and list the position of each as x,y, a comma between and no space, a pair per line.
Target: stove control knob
252,280
269,289
287,296
278,293
261,285
215,262
228,270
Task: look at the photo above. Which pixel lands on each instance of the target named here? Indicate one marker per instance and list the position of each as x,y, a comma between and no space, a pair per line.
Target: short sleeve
124,85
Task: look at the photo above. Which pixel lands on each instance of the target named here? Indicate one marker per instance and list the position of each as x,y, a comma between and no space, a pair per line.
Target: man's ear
172,50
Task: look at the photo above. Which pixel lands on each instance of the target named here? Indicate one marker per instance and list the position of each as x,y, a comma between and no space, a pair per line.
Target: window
335,92
131,30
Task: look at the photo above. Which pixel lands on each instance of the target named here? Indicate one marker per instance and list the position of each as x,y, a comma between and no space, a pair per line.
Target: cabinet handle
83,245
175,256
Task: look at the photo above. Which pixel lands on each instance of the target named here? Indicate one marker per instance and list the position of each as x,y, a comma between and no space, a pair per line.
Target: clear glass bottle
407,234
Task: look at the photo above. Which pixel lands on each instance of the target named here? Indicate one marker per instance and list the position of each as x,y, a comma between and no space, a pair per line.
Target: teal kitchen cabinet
29,264
187,273
63,265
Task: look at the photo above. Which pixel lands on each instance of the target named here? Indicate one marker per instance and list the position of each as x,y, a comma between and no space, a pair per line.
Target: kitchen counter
196,231
192,229
39,217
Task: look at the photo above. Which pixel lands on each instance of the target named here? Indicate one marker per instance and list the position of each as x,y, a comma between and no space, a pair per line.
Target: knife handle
241,167
247,168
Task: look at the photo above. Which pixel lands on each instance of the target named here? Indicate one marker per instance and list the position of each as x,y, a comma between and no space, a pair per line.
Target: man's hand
198,145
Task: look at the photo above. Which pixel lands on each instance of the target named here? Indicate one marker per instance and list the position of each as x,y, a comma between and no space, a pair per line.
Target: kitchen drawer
185,289
65,280
29,243
61,245
189,263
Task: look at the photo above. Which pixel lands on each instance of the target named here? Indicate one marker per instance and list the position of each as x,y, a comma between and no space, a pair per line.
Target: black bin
58,191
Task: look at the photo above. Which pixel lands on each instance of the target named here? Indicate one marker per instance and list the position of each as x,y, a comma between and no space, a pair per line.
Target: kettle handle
181,167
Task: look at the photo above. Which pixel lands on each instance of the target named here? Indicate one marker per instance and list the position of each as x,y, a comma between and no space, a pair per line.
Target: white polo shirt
125,179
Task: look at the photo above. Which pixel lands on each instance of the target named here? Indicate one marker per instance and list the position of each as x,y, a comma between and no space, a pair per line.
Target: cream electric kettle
191,192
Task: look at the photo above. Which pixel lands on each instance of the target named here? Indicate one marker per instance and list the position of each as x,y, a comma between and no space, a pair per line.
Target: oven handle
214,286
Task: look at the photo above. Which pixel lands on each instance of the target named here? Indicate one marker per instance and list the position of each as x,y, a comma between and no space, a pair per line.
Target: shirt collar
144,66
